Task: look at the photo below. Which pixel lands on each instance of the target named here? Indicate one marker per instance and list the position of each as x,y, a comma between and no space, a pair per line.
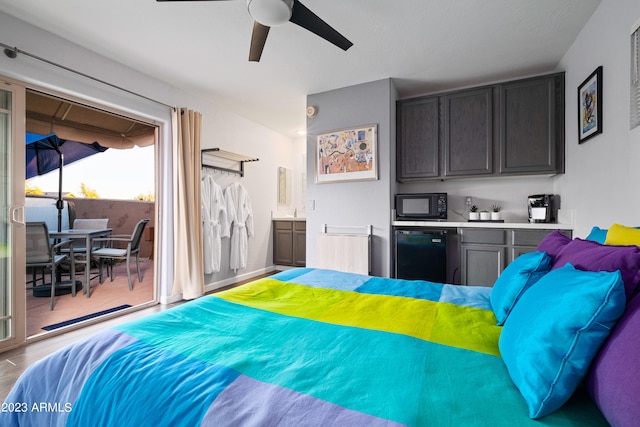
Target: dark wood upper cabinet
532,126
418,155
468,133
518,124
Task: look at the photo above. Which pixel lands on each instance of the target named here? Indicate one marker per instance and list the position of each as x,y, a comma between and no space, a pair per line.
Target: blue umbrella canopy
47,153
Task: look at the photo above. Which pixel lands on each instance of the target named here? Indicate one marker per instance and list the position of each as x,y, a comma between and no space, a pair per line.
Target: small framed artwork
590,106
347,155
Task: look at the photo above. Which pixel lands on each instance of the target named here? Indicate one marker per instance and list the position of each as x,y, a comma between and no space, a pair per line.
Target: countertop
289,218
482,224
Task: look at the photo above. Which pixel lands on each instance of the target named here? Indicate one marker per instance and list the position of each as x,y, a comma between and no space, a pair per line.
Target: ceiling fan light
270,12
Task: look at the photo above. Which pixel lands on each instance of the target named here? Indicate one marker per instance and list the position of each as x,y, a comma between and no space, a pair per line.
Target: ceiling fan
269,13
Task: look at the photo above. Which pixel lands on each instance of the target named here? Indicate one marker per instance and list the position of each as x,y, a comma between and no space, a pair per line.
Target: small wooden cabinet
289,242
484,253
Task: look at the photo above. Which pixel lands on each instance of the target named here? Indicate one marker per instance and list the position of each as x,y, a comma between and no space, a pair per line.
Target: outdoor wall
123,216
601,183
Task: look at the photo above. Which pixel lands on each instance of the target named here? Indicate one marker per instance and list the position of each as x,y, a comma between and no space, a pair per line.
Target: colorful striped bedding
304,347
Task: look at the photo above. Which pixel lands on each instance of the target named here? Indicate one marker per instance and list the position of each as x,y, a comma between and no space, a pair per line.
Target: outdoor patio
105,296
123,216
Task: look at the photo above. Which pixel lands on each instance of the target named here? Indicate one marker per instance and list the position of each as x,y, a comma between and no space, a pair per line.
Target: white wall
602,174
230,132
510,193
221,128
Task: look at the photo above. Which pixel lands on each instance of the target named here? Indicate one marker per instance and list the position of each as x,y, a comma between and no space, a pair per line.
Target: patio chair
87,224
79,244
42,255
129,246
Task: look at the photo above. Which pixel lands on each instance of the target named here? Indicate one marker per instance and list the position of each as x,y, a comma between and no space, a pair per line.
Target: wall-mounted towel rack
367,228
215,158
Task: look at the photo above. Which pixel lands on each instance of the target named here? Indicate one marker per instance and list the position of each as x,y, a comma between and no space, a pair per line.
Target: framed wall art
347,155
590,106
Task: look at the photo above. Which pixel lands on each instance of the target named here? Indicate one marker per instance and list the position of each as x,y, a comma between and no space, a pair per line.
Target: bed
314,347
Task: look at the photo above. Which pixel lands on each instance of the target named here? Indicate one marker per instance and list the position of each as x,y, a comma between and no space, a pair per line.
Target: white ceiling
424,45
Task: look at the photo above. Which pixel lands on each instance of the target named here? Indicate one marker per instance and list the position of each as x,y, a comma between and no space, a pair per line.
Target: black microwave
422,206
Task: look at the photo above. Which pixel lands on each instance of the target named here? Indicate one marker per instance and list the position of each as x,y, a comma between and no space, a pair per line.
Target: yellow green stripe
436,322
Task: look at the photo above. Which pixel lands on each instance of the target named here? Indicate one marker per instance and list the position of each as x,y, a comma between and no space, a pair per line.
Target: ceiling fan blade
308,20
258,39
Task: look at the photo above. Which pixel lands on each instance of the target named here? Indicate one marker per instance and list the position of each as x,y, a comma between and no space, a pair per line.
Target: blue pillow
555,330
523,272
597,234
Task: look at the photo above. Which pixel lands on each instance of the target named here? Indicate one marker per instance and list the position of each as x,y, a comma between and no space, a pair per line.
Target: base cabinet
484,253
482,264
289,243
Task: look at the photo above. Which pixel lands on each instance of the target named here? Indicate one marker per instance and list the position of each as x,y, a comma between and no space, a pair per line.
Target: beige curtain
187,212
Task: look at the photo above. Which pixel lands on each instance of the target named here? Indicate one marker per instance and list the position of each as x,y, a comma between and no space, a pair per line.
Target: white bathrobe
240,215
215,224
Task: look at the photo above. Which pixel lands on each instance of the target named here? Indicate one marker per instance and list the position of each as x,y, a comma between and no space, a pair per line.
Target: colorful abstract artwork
347,155
590,106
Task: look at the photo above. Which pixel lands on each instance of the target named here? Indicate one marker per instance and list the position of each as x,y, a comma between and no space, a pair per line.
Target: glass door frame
14,185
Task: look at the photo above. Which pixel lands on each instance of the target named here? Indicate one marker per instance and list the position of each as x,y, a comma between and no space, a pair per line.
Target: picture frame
347,155
590,106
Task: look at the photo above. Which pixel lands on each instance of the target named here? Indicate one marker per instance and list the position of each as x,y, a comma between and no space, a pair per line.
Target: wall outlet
468,201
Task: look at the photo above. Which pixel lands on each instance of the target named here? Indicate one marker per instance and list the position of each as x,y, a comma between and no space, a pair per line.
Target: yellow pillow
622,235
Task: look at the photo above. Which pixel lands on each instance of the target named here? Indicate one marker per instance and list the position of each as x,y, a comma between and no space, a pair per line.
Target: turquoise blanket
304,347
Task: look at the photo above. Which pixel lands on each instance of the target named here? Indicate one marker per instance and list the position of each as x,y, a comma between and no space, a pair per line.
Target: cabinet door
482,264
524,241
299,244
468,133
418,153
530,141
283,243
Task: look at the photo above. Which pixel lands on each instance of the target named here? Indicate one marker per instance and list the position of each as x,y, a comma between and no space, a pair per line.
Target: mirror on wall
284,187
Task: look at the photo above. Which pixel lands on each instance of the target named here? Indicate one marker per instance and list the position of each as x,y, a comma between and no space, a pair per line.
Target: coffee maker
543,207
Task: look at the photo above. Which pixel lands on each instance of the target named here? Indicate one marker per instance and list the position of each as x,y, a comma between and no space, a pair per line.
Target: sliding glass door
12,248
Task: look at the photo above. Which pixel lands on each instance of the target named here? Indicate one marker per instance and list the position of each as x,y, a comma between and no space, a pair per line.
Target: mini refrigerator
421,255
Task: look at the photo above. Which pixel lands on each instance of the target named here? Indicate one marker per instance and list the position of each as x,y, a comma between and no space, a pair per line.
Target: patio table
89,235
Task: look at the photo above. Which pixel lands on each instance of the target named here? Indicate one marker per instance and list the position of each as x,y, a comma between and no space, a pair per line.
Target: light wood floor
14,362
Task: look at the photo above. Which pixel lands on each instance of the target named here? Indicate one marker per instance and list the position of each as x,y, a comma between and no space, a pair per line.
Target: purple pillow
592,256
553,243
612,380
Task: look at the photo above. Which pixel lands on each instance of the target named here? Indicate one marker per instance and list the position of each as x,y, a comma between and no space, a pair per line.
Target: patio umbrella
46,153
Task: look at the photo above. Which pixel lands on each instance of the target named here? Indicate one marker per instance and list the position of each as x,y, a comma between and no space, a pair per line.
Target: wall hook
11,53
